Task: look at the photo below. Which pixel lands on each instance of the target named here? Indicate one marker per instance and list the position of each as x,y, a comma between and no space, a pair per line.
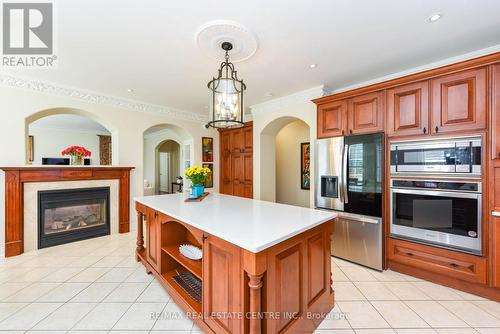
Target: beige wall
49,142
268,119
288,140
127,128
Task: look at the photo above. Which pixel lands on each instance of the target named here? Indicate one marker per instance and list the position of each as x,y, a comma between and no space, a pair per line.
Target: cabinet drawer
440,261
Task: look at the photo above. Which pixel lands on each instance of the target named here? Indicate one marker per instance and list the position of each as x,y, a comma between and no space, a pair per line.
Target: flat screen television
61,161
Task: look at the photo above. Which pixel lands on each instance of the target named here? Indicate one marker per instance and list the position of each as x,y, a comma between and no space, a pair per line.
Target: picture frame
305,166
207,149
209,183
31,149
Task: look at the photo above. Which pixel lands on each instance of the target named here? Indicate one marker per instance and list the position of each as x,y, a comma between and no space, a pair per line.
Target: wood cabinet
459,101
437,260
236,173
408,109
495,252
223,275
332,119
495,111
358,115
153,238
292,276
366,113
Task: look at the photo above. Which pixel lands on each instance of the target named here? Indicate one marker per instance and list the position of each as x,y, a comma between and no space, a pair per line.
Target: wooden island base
285,288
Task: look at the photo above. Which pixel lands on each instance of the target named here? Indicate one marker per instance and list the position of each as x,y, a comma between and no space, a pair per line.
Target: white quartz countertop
495,213
251,224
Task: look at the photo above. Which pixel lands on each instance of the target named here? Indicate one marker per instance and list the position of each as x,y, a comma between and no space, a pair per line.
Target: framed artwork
305,164
31,148
207,146
210,178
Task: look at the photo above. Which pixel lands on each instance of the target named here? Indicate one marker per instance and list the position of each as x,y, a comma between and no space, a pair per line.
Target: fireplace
72,214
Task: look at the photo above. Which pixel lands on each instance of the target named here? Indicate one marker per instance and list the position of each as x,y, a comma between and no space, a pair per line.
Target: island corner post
285,288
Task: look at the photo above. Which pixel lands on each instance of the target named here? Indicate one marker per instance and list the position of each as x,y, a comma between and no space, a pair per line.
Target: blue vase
197,191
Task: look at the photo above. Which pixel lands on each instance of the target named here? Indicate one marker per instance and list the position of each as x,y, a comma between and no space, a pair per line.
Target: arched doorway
168,166
167,152
280,161
50,131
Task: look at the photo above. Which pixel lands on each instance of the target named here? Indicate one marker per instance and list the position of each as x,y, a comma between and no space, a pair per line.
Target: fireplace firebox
71,215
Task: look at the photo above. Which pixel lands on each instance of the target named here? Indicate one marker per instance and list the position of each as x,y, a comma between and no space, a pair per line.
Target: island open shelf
275,264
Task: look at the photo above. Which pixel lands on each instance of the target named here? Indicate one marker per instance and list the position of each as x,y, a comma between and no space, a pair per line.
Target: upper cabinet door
366,113
225,142
236,140
495,116
248,139
332,119
459,101
408,109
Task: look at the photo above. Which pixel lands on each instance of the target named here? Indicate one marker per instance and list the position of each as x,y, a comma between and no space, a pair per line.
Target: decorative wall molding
292,99
45,87
440,63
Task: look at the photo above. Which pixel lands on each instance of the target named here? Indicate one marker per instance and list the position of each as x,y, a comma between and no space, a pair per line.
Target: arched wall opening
280,161
167,138
49,131
167,166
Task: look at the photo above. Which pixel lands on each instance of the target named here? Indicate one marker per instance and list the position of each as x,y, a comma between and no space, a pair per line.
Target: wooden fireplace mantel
15,177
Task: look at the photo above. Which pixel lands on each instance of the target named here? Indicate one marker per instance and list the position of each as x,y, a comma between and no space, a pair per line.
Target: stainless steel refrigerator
348,179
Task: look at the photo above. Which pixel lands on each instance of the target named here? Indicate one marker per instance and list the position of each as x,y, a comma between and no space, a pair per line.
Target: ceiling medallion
210,36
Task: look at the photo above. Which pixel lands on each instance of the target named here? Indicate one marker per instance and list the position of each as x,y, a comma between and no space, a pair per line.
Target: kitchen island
265,266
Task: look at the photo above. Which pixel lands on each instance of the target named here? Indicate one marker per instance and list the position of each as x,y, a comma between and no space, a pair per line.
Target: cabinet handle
437,129
409,254
424,130
454,265
343,133
156,214
350,131
203,238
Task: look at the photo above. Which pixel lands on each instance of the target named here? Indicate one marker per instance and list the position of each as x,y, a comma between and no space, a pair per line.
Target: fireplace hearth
72,214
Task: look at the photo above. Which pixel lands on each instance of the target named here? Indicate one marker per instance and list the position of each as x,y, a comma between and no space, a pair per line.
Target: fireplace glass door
71,215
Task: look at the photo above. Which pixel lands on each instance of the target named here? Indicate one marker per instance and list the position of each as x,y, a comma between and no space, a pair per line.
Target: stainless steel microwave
447,157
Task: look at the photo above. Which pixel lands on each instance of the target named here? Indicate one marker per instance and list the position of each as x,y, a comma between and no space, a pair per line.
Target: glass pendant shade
226,103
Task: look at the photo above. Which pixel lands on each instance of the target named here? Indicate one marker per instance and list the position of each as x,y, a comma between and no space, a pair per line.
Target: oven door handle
441,193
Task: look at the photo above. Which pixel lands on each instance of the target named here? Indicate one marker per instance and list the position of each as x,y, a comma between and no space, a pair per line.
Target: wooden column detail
15,177
140,234
124,202
255,283
14,227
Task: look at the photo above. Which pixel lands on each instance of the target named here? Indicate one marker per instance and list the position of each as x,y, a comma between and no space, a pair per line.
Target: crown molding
418,69
292,99
54,89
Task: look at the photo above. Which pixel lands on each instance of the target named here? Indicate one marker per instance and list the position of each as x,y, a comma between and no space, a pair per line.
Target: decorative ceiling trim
292,99
418,69
54,89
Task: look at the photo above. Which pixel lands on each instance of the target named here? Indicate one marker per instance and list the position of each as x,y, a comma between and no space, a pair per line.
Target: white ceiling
71,123
149,46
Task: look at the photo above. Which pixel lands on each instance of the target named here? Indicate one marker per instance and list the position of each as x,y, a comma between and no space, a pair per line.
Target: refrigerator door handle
344,173
341,177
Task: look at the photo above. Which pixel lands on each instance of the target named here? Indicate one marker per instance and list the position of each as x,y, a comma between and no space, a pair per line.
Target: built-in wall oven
441,213
456,157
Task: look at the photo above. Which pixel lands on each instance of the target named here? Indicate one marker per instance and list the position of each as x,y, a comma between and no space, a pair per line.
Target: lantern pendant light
226,105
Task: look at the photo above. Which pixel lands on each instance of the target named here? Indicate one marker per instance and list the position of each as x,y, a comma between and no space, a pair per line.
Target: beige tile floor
95,286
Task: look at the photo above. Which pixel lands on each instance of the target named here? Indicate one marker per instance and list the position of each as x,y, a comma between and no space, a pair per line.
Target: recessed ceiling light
269,94
313,65
130,90
434,17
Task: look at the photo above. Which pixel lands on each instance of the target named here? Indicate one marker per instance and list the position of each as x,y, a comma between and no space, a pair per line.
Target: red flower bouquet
76,153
